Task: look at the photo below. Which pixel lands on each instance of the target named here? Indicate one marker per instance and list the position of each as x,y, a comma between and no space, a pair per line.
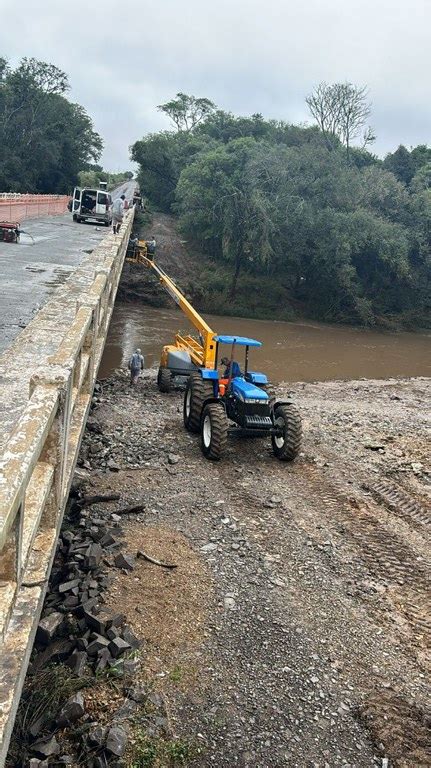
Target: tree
341,110
161,157
44,138
401,164
186,112
289,219
219,205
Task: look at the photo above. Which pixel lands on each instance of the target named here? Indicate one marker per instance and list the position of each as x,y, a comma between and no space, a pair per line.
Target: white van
92,205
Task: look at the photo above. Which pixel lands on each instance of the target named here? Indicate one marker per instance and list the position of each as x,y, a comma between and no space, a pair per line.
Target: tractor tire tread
164,380
219,429
293,440
200,391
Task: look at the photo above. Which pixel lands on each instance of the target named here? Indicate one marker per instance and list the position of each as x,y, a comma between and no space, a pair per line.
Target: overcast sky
248,56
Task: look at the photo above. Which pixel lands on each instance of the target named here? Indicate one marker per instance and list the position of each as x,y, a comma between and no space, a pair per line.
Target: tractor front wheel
197,391
287,443
164,380
213,431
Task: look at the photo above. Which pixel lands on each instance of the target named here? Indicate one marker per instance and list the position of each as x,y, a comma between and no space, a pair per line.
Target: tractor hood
247,391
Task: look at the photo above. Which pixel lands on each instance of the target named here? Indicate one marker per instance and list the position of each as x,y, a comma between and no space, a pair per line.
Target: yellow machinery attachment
202,353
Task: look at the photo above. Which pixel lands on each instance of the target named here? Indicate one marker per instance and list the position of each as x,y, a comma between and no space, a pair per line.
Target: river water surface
305,351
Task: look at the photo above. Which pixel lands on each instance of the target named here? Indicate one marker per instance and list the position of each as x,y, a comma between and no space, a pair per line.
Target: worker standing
136,365
117,213
151,247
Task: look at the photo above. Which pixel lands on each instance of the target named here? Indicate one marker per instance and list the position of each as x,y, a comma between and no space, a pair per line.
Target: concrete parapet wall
16,207
47,378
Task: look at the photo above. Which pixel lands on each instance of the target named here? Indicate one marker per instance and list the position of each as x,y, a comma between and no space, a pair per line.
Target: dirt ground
295,628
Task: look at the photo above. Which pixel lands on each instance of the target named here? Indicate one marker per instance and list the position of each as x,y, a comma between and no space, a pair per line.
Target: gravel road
295,629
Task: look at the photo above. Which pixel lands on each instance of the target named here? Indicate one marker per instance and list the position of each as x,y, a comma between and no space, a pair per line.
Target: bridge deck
41,278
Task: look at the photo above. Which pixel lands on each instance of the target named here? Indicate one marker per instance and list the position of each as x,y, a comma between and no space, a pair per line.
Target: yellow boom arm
203,354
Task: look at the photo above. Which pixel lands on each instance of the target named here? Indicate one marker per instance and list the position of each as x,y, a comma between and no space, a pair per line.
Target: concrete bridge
47,376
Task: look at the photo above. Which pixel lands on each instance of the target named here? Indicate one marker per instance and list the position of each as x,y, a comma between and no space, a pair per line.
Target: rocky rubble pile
89,645
127,441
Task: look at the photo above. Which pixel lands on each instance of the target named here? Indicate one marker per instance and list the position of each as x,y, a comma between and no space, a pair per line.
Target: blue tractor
238,402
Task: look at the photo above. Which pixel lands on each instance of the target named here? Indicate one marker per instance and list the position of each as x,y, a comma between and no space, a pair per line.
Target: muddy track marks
401,503
401,727
383,553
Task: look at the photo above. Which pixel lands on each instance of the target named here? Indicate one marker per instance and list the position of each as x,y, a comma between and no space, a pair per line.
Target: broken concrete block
77,663
116,740
58,650
113,633
97,736
93,556
97,644
70,602
103,658
67,586
127,562
72,710
99,623
130,638
118,620
47,747
48,626
118,646
107,540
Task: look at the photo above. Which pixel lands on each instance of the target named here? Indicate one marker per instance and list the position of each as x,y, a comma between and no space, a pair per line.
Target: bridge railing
36,470
16,207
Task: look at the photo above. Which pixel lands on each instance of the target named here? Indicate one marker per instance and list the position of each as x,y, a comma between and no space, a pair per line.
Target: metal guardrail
36,470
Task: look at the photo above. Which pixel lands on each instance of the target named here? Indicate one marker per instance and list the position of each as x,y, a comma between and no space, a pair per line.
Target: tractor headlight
253,400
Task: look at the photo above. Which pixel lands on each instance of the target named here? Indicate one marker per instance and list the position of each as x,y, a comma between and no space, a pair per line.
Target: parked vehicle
92,205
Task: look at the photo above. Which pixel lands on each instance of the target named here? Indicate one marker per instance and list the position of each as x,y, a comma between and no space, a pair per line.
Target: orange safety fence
15,207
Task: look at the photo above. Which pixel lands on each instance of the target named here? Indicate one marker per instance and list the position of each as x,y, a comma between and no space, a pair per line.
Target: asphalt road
51,247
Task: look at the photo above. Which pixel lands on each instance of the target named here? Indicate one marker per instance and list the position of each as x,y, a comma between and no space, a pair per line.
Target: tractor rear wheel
213,431
287,444
197,391
164,380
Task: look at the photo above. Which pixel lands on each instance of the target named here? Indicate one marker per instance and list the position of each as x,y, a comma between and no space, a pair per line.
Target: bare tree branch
341,111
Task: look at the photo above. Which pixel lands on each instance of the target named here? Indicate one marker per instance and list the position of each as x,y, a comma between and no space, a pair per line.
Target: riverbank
207,283
294,629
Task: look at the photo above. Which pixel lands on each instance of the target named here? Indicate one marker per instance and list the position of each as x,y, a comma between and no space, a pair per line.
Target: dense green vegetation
295,219
45,140
94,174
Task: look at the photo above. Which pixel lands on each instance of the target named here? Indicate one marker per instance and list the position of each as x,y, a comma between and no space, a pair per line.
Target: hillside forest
287,220
296,220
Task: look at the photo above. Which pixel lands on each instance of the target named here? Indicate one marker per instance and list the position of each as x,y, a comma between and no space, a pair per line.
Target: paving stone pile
78,632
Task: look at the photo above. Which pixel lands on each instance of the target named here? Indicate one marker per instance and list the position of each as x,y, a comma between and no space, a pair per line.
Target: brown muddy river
291,351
